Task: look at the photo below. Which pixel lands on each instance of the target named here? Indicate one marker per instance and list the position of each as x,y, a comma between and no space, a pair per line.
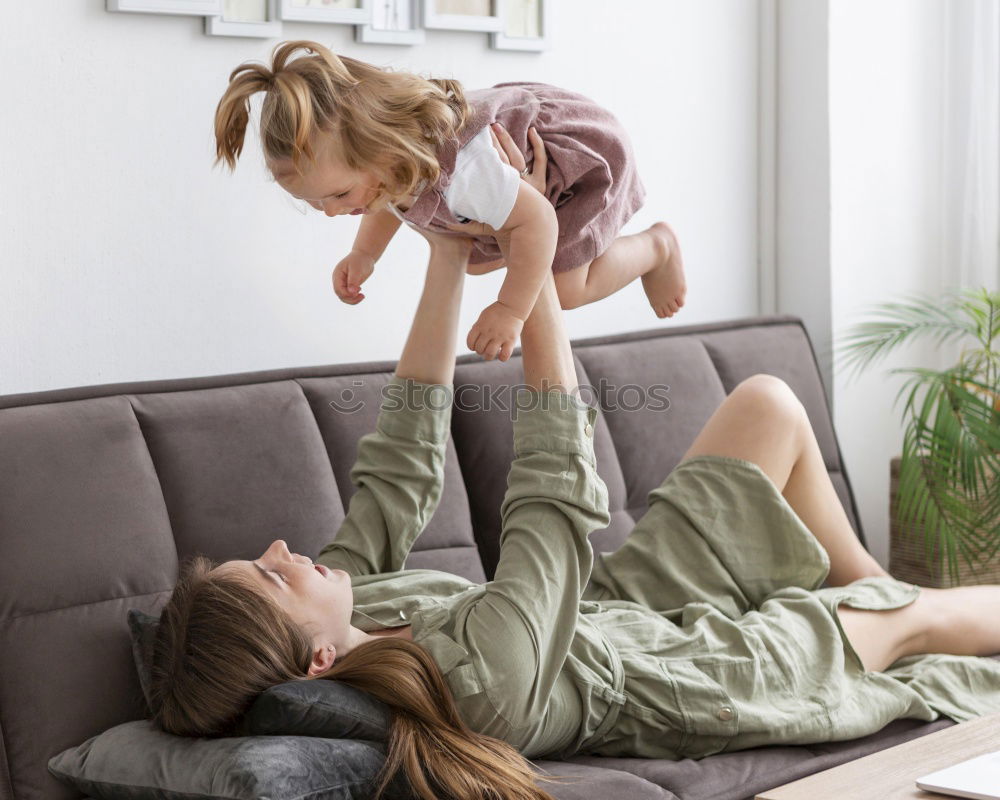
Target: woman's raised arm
522,628
545,350
399,470
429,353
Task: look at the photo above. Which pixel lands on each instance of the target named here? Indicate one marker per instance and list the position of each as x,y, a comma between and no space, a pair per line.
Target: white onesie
482,187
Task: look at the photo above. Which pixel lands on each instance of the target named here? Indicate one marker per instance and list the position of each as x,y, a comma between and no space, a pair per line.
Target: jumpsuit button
725,714
588,429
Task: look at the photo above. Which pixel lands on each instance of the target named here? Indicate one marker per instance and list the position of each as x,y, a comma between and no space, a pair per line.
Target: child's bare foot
664,284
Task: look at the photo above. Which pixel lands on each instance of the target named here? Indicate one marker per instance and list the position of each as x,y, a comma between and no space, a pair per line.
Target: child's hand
495,332
350,273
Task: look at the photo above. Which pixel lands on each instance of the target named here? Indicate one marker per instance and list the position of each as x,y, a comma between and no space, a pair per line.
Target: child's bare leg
652,255
763,421
960,621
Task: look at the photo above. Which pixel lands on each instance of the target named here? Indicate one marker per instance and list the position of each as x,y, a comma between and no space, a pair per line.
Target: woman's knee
768,396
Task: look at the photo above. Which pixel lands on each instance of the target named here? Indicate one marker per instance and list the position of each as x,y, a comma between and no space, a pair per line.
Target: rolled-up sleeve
399,472
521,629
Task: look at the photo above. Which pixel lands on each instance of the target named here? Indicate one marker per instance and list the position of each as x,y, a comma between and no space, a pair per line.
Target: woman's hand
509,154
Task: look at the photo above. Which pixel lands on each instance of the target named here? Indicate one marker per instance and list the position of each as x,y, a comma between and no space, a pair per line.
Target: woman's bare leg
652,255
960,621
763,421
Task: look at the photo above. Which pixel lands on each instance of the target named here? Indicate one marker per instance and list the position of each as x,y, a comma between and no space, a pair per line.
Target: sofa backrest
104,490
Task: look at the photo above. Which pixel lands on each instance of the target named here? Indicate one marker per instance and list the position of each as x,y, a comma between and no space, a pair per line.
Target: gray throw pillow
136,760
328,709
315,739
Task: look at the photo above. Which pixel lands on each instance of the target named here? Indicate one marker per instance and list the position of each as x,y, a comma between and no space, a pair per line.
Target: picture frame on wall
348,12
527,26
255,18
195,8
393,22
344,12
464,15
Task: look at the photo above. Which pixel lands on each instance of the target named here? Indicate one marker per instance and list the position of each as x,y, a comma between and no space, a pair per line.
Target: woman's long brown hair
222,641
383,121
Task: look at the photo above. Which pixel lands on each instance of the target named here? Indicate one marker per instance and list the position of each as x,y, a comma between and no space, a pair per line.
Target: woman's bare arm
429,353
545,350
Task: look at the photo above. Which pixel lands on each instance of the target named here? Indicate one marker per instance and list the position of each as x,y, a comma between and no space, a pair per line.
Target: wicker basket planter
907,557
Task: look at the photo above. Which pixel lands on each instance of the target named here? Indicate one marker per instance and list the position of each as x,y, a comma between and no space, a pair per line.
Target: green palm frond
917,317
949,477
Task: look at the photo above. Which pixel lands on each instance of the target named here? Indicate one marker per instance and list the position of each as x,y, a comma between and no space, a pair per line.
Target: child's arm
374,234
528,242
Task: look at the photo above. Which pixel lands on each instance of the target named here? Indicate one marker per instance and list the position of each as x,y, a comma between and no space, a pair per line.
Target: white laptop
978,778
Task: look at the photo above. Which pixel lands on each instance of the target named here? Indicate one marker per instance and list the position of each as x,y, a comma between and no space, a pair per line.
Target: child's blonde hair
383,121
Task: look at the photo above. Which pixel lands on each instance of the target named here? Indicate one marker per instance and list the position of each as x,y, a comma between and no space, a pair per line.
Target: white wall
802,184
125,256
886,102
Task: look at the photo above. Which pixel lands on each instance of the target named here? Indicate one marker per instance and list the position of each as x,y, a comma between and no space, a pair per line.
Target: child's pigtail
233,111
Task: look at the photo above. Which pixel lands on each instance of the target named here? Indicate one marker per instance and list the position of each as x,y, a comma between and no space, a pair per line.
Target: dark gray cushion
329,709
137,760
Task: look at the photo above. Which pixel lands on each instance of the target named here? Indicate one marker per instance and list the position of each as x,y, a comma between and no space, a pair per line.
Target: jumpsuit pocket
709,713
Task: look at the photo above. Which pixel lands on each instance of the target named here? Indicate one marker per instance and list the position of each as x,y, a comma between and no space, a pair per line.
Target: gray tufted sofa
103,489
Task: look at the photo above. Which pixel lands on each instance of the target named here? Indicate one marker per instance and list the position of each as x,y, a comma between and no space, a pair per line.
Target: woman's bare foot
664,284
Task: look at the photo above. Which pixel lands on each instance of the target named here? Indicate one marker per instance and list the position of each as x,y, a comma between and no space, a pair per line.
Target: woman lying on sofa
706,631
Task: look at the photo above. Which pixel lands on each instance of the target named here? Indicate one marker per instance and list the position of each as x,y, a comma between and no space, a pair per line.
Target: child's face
328,185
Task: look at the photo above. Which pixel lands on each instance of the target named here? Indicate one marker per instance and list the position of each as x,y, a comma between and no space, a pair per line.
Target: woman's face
318,599
328,185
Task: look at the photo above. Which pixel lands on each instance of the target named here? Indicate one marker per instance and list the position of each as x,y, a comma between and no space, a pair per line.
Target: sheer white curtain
971,144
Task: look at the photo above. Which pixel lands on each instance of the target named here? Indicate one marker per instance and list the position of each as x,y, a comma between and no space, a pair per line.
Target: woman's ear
322,660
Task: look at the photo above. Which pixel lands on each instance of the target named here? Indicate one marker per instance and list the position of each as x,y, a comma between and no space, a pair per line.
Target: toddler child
396,147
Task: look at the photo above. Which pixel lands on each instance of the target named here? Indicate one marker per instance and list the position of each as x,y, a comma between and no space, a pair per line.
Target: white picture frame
527,26
408,15
233,23
359,12
440,14
195,8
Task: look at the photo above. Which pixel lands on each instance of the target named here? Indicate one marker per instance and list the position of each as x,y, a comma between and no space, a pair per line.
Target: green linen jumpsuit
704,632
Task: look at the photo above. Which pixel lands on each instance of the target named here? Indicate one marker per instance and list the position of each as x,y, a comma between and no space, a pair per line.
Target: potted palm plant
945,486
